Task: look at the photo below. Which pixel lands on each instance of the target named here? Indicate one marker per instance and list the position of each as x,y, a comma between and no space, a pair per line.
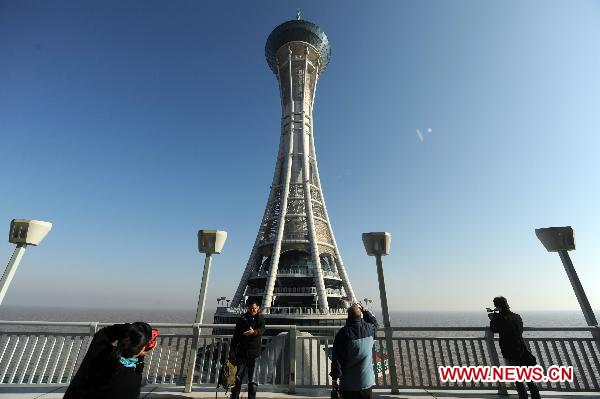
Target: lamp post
209,242
562,240
378,245
22,232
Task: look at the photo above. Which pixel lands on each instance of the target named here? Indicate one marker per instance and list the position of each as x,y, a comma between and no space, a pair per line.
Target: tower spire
298,14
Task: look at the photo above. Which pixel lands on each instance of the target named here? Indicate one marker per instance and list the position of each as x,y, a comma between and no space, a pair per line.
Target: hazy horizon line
189,309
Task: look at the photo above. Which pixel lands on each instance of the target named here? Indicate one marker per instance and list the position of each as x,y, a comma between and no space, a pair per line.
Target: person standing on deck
245,348
509,326
352,358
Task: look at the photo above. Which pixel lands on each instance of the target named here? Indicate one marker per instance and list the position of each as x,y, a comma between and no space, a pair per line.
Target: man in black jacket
245,348
509,326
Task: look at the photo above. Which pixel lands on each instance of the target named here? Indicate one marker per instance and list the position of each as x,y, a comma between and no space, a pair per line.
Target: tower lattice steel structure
295,266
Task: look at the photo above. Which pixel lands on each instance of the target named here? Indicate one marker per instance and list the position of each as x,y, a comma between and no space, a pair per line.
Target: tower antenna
298,14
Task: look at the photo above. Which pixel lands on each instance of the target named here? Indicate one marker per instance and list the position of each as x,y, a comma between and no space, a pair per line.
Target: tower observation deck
295,270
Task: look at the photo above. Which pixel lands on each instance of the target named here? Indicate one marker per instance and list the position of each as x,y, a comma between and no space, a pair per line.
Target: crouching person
352,358
245,348
113,371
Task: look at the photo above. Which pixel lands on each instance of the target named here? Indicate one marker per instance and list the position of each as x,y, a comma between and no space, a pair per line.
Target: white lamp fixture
562,240
22,232
28,232
378,244
209,242
557,239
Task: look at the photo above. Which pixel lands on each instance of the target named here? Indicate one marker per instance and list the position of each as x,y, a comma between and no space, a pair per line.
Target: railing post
93,330
596,335
189,379
389,343
292,335
489,340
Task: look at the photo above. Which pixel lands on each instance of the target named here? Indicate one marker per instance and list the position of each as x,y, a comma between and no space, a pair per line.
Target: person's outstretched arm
103,339
495,322
370,318
114,332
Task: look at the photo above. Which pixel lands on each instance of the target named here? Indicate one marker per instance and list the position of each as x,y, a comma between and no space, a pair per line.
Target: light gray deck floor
176,393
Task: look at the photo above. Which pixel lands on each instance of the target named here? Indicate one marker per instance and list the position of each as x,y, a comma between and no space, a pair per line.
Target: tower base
284,317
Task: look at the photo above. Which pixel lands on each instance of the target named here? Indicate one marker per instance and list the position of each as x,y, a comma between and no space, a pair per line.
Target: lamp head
211,241
557,239
377,243
28,232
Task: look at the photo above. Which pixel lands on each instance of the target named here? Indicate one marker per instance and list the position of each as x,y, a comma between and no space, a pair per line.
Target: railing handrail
484,328
163,325
282,327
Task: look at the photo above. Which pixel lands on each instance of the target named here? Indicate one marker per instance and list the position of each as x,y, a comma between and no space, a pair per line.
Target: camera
491,312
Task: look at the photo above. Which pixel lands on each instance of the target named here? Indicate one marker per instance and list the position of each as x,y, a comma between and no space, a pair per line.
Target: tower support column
239,293
312,236
340,266
287,174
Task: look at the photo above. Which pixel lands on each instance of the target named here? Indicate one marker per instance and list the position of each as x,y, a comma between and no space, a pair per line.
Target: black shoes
252,390
235,392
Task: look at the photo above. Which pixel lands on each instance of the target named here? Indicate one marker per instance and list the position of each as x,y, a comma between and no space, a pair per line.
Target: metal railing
304,310
296,271
296,290
292,310
49,353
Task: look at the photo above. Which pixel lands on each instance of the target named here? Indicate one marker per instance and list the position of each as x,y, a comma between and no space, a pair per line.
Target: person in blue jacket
352,358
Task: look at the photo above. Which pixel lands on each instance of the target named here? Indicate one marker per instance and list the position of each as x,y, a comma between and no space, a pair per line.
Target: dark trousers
362,394
521,390
245,368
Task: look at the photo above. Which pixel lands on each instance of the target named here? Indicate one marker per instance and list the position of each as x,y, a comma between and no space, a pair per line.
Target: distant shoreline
212,309
448,318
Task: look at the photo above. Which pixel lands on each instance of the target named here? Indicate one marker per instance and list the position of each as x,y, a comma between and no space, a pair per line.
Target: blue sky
131,125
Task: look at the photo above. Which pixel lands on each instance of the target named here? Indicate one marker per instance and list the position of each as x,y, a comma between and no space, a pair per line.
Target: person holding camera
245,348
113,371
352,357
509,326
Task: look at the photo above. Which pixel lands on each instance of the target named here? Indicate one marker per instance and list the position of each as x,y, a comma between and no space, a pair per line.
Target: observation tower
295,270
